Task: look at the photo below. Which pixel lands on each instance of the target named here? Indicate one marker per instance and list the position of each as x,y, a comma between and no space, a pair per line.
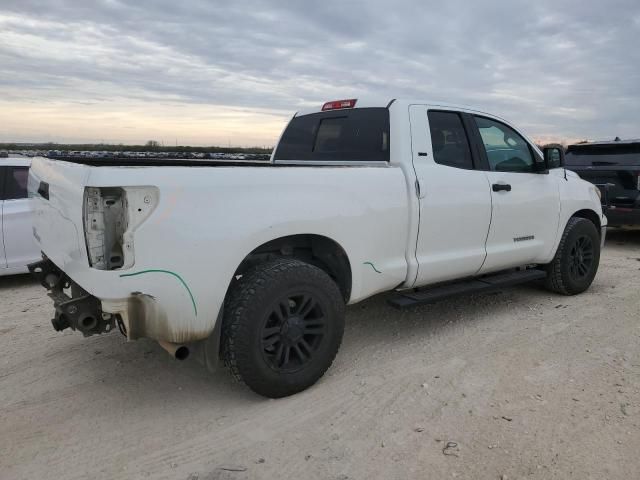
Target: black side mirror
540,165
553,156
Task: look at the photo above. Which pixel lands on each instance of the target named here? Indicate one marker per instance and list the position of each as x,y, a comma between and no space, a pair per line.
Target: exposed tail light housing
339,104
111,216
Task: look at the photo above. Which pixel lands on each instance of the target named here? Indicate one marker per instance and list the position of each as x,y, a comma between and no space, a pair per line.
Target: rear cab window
353,135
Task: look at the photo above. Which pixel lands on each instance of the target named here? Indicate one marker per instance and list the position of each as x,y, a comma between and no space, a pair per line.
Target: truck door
455,199
17,227
3,258
526,204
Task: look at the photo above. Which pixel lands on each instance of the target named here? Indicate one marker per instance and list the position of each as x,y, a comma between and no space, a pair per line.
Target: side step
484,284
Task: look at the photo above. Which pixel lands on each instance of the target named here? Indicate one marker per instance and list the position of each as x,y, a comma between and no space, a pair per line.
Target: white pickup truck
254,262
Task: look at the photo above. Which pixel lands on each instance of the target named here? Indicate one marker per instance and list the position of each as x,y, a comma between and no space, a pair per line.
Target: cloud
557,69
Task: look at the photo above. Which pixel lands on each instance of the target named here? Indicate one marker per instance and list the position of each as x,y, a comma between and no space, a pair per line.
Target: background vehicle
615,168
17,245
256,261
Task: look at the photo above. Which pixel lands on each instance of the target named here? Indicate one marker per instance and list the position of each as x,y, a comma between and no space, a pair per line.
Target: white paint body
17,245
208,219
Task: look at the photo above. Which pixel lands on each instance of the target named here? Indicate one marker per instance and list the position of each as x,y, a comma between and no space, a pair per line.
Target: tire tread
235,329
554,280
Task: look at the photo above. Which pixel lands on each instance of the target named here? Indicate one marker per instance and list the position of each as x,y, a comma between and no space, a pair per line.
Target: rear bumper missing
74,307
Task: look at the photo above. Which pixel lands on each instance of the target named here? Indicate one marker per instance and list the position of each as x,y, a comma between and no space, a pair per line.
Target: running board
483,284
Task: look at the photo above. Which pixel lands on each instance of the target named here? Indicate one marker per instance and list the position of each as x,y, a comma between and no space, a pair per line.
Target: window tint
506,150
360,134
15,185
449,140
329,133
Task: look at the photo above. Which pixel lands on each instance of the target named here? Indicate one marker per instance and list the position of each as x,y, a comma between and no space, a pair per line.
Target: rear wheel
282,327
576,261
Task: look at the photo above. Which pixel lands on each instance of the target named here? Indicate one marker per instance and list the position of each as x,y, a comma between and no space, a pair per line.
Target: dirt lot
520,384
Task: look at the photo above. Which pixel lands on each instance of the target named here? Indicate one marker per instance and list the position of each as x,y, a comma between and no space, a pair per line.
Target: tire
576,261
282,327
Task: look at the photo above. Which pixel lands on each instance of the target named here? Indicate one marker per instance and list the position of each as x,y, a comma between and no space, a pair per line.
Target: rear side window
449,140
361,134
15,182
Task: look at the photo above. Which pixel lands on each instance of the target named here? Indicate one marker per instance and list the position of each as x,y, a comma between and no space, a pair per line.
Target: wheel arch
590,215
321,251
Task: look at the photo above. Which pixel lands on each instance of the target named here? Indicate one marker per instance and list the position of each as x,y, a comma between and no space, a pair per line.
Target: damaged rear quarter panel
209,218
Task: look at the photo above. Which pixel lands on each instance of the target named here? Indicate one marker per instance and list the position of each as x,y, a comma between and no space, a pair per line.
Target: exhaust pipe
176,350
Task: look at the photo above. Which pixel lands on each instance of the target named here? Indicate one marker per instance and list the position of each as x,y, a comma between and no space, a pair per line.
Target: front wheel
576,261
283,326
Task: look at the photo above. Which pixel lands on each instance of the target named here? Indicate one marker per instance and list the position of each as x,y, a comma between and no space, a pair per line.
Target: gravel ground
518,384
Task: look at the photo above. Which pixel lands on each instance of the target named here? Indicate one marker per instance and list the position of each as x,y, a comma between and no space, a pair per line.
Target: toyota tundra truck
252,263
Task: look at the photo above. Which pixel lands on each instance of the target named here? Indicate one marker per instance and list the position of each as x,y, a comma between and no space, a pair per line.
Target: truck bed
182,232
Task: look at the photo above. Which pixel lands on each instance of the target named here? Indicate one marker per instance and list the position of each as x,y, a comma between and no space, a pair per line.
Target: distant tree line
149,146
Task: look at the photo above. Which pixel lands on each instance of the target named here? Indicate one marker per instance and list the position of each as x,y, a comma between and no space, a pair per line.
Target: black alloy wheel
293,332
581,257
282,326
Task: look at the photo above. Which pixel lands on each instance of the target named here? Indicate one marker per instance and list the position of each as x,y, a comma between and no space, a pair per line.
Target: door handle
498,187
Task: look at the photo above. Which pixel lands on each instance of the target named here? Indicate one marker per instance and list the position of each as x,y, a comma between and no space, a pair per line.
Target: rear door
455,200
525,203
17,226
3,258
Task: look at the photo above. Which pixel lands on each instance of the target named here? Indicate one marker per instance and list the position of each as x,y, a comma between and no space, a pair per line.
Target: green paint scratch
372,266
193,302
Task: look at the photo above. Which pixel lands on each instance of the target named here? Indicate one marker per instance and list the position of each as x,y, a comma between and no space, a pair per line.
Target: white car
253,262
17,245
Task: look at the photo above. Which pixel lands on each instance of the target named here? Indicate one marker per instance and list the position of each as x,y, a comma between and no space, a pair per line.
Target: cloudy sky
206,72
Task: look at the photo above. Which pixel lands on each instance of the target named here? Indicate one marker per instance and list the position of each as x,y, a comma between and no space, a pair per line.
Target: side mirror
553,156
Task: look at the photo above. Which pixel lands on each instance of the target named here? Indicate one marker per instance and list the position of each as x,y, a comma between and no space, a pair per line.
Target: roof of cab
386,102
361,102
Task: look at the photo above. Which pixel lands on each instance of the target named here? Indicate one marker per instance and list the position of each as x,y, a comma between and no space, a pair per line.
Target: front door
455,199
526,204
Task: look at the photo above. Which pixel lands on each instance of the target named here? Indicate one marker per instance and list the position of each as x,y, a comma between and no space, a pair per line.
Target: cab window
449,140
353,135
506,150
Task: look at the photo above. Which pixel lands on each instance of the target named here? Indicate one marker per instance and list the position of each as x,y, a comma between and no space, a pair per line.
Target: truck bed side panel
209,219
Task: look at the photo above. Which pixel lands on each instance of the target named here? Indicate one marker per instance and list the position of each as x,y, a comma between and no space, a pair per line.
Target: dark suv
615,168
